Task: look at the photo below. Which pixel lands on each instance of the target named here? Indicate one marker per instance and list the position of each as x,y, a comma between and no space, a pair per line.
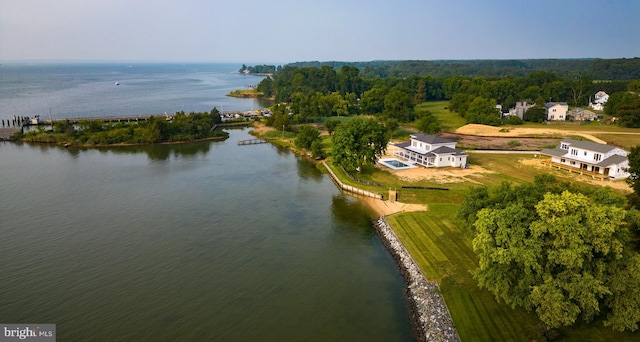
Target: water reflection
308,170
352,212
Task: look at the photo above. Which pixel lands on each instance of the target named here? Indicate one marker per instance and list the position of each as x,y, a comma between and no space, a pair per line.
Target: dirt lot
478,142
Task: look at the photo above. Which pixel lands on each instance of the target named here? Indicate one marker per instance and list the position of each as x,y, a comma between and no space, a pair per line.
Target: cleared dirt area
513,143
475,129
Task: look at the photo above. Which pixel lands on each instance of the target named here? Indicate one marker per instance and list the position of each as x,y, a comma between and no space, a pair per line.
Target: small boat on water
117,83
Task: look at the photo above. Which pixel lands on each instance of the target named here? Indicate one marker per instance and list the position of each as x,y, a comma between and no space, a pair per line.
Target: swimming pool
395,164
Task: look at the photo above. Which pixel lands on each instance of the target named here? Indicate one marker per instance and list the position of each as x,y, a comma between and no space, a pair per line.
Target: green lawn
444,253
449,121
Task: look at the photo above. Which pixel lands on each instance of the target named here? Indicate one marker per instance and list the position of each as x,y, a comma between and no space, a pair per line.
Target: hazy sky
282,31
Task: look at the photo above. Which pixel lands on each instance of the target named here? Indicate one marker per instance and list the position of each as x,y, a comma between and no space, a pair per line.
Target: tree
373,100
358,141
331,124
428,124
483,111
398,104
306,136
536,113
567,259
634,176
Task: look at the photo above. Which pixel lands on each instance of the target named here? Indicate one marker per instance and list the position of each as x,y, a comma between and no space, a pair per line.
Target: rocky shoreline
428,309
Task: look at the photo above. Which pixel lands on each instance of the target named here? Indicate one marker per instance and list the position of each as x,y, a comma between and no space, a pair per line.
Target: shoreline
428,309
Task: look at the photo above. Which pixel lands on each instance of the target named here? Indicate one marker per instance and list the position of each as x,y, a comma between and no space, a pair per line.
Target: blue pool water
395,163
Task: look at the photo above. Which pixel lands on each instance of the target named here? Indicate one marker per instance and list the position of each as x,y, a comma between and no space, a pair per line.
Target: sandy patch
476,129
387,207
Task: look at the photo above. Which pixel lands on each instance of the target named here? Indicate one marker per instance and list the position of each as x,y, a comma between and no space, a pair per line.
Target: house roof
551,104
588,145
614,159
557,152
438,151
430,139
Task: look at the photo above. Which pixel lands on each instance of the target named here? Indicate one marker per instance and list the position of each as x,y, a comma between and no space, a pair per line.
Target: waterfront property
431,151
601,160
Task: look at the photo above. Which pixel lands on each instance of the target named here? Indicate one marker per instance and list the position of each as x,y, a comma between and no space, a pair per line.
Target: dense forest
325,91
597,69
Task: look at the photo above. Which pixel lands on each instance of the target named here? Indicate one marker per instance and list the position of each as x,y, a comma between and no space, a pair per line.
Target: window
585,153
574,152
564,146
597,156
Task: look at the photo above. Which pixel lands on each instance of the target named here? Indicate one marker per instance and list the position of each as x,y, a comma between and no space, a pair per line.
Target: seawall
429,311
350,188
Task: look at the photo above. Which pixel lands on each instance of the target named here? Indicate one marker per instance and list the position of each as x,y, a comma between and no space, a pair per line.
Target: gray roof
614,159
588,145
404,144
555,152
430,139
551,104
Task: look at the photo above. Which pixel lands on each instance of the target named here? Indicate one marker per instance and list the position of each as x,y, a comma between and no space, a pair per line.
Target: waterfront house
590,157
556,111
431,151
581,114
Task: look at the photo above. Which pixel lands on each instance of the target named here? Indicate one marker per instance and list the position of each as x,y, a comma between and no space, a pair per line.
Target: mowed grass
449,121
445,255
443,251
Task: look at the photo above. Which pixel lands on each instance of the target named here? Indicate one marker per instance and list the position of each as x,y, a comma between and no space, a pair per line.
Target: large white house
556,111
431,151
605,160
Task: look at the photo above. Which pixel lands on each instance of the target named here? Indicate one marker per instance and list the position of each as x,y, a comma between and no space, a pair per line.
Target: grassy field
449,121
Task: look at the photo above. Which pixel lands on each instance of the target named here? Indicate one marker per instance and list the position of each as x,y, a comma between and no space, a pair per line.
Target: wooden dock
252,141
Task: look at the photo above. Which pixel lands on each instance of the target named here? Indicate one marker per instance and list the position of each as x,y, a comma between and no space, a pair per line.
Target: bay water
207,241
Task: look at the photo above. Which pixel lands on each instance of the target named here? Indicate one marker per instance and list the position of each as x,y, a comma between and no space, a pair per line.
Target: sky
284,31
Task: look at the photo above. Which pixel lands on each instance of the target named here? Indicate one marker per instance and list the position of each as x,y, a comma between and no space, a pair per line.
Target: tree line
598,69
314,92
181,127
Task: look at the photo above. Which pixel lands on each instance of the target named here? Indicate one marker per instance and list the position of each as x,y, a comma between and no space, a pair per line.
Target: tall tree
358,141
567,259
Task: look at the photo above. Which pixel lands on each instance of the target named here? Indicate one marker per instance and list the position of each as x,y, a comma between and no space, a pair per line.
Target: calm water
89,90
198,242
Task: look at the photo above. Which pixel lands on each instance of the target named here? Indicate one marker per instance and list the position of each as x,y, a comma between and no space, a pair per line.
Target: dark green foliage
306,136
598,69
317,150
549,248
428,124
626,106
155,130
535,114
358,141
330,125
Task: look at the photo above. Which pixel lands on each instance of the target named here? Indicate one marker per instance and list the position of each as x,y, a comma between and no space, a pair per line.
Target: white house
556,111
589,156
600,98
431,151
